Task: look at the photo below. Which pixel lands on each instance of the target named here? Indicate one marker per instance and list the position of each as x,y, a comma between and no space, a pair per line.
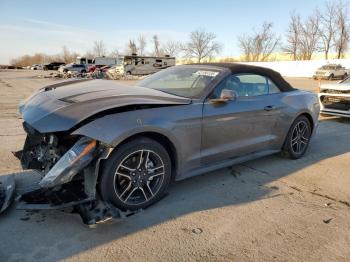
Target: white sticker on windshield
206,73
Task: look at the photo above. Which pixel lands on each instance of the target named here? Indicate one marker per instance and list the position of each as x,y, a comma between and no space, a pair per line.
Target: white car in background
36,67
335,98
331,71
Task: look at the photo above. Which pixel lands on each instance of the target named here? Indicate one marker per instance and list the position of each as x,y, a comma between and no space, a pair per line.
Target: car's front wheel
298,138
136,175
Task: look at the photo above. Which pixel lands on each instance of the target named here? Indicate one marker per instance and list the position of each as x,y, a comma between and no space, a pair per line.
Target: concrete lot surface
271,209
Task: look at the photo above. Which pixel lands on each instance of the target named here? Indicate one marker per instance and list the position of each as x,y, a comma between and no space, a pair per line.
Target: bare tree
246,46
201,45
99,48
260,45
310,36
327,27
142,44
293,37
132,48
156,44
342,32
171,48
115,53
66,55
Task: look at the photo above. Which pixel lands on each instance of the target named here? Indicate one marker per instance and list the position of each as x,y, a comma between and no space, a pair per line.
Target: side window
247,85
253,85
230,83
273,89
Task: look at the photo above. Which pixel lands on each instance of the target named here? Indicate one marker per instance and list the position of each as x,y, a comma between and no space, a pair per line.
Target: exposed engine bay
41,151
69,167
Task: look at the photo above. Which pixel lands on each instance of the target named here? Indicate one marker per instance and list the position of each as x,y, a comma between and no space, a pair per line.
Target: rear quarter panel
296,103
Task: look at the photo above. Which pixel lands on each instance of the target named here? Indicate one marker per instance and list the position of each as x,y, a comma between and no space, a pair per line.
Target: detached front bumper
7,192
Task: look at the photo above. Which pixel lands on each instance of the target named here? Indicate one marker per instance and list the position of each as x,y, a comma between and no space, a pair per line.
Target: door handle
269,108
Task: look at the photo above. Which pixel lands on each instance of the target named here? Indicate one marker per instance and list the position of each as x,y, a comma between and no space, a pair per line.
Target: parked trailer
140,65
104,61
83,61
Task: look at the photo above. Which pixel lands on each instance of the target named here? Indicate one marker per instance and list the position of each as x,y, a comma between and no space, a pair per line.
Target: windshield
327,67
119,61
181,81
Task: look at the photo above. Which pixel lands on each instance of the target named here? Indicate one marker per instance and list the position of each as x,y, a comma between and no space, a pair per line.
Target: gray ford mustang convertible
104,146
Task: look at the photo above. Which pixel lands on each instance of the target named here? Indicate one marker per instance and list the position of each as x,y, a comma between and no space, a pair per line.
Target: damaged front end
70,166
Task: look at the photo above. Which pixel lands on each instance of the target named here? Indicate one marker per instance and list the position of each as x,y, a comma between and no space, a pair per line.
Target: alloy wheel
138,177
300,137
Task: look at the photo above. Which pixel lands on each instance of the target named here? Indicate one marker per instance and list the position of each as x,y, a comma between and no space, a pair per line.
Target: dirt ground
271,209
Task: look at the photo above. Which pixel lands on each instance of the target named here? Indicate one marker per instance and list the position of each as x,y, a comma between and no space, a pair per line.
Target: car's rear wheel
345,75
331,77
136,175
298,138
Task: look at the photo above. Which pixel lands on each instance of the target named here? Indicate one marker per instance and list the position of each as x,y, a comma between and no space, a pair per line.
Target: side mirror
225,96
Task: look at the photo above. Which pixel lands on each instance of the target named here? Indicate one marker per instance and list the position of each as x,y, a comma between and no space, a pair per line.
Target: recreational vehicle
140,65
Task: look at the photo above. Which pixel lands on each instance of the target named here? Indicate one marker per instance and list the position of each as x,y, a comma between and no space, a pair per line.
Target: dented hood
61,106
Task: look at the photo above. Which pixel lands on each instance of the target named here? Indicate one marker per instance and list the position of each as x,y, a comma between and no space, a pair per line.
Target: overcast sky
45,26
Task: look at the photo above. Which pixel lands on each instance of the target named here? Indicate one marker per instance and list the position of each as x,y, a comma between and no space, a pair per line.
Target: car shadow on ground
55,235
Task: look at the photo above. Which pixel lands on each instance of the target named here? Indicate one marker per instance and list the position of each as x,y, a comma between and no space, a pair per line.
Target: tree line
325,30
201,45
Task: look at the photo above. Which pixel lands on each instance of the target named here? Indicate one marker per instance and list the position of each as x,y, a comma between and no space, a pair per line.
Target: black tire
345,75
302,139
331,77
117,182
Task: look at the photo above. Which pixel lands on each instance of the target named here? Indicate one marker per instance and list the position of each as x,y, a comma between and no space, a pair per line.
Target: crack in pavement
256,169
340,201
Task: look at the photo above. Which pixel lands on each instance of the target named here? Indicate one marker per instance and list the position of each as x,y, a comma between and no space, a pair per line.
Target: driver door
238,127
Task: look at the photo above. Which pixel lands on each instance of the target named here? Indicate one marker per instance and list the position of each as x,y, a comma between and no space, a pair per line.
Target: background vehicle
36,67
80,68
127,143
83,61
92,68
141,65
53,66
331,71
335,98
104,61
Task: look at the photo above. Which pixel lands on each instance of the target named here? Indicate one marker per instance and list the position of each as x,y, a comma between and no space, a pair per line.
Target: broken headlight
73,161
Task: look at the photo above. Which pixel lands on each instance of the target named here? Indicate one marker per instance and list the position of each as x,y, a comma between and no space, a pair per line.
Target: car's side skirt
227,163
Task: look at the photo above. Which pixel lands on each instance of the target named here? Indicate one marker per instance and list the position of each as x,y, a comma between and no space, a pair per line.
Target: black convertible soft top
237,68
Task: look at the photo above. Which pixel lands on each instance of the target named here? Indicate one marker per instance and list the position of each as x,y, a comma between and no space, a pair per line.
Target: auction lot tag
206,73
